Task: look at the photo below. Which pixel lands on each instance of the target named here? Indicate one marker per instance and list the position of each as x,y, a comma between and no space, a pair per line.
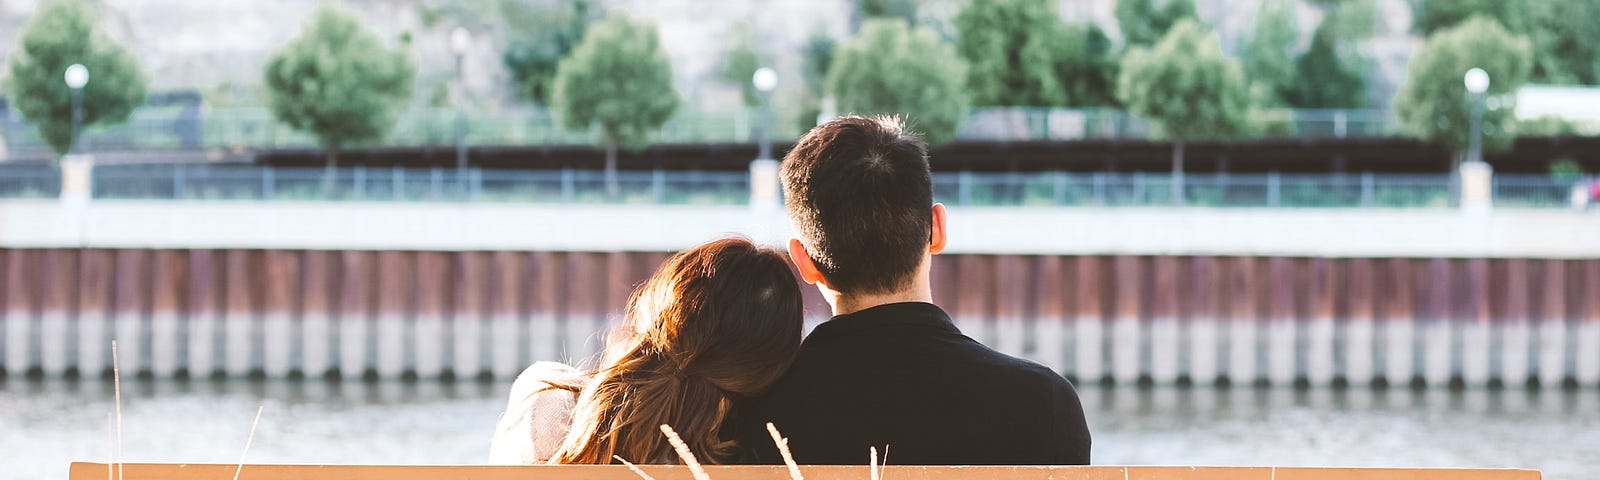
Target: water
44,425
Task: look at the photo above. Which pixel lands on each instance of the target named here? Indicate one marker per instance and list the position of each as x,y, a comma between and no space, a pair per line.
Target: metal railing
245,128
1237,191
657,187
1100,189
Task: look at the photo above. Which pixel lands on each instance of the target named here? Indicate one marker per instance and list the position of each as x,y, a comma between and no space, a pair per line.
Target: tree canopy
1566,42
1328,76
61,34
740,65
338,81
1186,87
1434,105
618,78
1431,16
1011,47
1144,22
891,68
537,41
1269,53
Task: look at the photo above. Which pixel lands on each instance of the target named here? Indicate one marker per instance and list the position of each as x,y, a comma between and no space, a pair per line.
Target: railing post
658,185
1340,121
267,183
964,188
1060,188
568,185
1138,189
360,179
475,176
177,183
435,183
397,180
1369,195
1274,189
1100,188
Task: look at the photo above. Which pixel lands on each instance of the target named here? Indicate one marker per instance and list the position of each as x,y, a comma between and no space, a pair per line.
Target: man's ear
802,262
936,235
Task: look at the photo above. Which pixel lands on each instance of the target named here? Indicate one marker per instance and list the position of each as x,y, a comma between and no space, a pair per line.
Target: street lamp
460,41
765,80
76,76
1477,82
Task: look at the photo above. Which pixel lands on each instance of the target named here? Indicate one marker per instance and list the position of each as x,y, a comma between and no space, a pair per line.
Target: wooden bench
173,471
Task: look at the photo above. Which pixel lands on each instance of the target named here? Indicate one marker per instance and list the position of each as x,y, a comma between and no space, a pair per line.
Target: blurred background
1253,232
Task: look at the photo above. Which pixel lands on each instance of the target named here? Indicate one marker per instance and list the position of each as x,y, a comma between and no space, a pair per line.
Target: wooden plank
1088,326
318,337
280,312
1358,314
544,326
357,317
1282,321
1165,331
168,335
1551,312
506,293
430,337
1244,313
1127,329
1514,334
130,310
1474,354
1588,320
1012,276
241,334
618,286
396,301
21,310
469,315
1397,297
1439,330
95,296
97,471
204,313
1321,331
583,313
1204,304
1049,308
974,302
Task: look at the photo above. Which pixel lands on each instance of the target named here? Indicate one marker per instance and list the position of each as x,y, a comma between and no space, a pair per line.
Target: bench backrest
165,471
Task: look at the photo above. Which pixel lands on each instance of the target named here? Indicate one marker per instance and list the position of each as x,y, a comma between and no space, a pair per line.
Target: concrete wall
1009,230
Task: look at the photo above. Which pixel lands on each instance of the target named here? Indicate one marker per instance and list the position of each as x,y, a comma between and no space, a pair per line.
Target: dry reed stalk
683,452
783,449
111,447
248,440
635,469
872,462
116,389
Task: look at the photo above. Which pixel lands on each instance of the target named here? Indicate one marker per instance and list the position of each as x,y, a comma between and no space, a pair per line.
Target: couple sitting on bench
711,344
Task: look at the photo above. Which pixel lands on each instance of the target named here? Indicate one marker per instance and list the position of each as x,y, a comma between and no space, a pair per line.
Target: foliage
815,61
1566,41
1268,55
1144,22
1433,104
1547,126
1186,87
1085,65
1566,168
537,42
891,68
740,65
338,81
902,9
61,34
619,78
1011,47
1327,77
1431,16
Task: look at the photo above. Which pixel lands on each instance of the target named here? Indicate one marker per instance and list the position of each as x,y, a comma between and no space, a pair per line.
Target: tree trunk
1177,173
612,188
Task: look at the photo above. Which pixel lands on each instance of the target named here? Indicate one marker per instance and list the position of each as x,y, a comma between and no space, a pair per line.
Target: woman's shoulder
538,414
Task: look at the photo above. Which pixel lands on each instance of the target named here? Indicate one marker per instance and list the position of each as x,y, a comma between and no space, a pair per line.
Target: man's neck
846,304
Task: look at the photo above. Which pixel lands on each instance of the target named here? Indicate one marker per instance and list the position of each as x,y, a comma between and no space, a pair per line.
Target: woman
715,324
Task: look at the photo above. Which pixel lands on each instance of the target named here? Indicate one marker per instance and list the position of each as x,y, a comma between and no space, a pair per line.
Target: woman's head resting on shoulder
716,323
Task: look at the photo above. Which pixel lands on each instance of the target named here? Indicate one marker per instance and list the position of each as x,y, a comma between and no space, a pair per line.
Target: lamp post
77,76
1477,82
765,80
460,41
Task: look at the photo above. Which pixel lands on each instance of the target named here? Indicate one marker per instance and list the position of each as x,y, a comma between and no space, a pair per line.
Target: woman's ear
936,234
802,262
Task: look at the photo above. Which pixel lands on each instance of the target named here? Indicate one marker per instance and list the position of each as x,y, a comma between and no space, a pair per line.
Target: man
890,369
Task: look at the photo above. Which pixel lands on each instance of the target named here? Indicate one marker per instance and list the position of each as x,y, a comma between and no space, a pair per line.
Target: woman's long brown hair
715,323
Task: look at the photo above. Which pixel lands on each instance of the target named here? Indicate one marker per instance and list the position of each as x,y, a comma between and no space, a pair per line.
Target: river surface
44,425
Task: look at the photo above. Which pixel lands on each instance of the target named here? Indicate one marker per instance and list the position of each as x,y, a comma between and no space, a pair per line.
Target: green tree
740,65
1011,48
1431,16
1144,22
538,40
1433,104
1269,54
1082,62
1327,77
338,81
814,63
1188,90
620,79
61,34
892,68
1566,41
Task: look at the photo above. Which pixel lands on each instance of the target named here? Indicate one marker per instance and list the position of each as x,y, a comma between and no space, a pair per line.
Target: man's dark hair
859,192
